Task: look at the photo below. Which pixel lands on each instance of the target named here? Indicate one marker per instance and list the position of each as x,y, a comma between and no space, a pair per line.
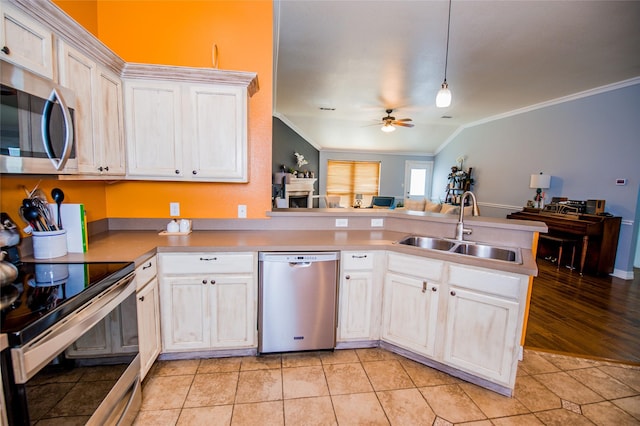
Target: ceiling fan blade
404,119
403,124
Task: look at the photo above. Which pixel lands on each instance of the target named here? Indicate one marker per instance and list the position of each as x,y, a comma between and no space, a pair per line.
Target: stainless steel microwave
36,124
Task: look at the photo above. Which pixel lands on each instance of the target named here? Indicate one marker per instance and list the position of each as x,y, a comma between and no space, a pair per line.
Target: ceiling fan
389,122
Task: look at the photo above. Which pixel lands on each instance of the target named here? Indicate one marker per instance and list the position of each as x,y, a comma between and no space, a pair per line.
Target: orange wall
182,33
177,33
91,194
84,12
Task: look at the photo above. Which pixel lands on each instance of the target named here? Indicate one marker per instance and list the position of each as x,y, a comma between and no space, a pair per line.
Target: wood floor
594,317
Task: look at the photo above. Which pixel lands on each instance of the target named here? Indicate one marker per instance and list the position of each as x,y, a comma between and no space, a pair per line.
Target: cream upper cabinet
154,129
25,42
98,114
179,130
360,296
217,126
485,312
208,301
412,292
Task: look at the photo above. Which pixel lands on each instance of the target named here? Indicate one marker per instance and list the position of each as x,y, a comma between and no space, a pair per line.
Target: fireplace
299,192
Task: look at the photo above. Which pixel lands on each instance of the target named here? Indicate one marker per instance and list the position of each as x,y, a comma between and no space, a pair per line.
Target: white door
417,179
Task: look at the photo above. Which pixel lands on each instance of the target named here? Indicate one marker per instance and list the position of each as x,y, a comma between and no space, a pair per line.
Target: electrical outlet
376,223
242,211
342,223
174,209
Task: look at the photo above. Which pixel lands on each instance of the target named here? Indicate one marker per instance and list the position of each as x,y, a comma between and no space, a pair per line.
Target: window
348,178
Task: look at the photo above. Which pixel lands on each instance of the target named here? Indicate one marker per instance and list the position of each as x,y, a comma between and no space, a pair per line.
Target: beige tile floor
374,386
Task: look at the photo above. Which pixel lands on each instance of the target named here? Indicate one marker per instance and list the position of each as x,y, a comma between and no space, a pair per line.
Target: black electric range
45,293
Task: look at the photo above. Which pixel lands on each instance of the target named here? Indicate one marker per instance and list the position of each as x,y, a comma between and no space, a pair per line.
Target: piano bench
561,241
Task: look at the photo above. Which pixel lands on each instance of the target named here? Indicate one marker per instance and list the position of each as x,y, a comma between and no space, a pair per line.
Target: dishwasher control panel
298,257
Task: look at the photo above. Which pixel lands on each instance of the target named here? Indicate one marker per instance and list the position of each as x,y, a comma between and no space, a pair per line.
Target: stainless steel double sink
468,248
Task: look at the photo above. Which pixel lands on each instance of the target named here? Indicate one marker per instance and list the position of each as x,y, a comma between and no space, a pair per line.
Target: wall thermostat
621,181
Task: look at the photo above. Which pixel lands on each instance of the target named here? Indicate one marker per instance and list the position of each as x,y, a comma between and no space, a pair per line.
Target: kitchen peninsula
462,314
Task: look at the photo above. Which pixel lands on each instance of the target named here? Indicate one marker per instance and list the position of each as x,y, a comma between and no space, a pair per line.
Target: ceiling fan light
388,128
443,98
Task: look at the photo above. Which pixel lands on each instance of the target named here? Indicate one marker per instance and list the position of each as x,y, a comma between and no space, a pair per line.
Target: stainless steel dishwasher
297,301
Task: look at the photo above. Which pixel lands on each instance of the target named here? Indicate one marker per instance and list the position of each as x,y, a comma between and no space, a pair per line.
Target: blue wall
585,144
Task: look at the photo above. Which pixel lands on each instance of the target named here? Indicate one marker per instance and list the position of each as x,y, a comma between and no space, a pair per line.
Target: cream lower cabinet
360,296
99,128
208,301
148,308
184,131
412,292
485,312
465,317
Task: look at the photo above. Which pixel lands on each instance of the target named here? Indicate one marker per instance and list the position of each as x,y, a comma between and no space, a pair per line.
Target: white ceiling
361,57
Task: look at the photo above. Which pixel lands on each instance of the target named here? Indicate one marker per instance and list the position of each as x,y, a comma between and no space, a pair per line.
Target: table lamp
358,200
540,182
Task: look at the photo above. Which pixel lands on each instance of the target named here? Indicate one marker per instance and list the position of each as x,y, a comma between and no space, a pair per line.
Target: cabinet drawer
357,260
146,271
416,266
500,284
193,263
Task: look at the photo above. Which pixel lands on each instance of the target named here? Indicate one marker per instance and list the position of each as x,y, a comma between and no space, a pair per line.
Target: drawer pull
208,259
362,256
424,286
453,293
213,282
5,50
348,277
147,266
434,288
141,298
204,281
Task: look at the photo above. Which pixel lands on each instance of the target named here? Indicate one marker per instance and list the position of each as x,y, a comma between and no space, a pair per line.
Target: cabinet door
356,294
233,311
217,133
109,135
148,325
28,44
184,305
154,141
410,312
78,73
481,334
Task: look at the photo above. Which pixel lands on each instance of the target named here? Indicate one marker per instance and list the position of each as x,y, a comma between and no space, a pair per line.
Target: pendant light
443,99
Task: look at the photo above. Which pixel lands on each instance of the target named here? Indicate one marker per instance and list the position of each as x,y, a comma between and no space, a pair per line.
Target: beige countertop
136,246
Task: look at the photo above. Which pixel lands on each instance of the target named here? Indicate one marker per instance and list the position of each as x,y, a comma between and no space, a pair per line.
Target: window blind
348,178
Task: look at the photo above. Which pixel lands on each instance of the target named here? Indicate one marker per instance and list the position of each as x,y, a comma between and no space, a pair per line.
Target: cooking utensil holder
49,244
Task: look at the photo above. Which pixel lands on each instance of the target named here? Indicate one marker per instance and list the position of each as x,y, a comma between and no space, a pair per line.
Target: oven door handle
30,358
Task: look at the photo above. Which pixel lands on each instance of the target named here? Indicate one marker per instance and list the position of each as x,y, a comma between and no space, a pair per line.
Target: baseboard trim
621,273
